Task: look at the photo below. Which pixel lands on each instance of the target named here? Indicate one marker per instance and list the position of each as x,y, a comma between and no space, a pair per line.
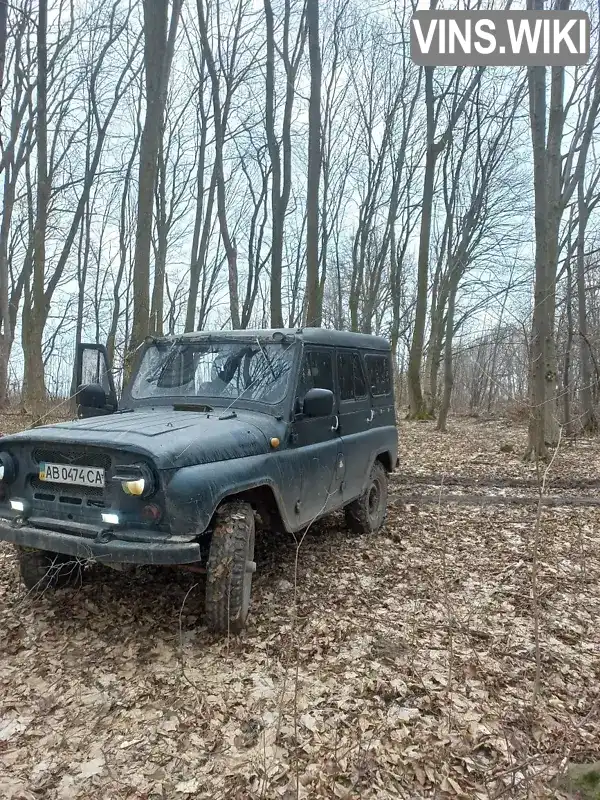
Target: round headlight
134,487
136,479
8,467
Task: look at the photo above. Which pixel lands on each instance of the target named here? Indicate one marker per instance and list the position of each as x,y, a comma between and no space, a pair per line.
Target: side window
316,372
378,374
350,376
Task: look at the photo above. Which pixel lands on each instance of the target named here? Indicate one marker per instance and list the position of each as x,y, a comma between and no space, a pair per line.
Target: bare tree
34,389
555,180
434,147
159,45
220,132
3,29
314,301
16,152
280,152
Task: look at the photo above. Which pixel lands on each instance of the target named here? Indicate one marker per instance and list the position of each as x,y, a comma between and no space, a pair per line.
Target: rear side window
378,375
316,371
350,376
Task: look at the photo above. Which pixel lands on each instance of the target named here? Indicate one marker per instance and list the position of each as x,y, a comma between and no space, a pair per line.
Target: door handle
371,415
336,424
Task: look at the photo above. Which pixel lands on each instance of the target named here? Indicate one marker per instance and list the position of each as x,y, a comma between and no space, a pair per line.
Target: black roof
313,335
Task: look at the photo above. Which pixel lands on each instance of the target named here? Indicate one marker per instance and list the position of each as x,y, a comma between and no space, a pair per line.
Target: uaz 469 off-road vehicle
211,430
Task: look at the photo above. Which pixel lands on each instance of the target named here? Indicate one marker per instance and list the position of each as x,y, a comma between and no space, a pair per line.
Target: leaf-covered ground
401,666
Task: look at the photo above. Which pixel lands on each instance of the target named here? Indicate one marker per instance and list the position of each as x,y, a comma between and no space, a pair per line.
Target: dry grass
415,659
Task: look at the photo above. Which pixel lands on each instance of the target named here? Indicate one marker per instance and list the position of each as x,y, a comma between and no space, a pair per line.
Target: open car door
96,393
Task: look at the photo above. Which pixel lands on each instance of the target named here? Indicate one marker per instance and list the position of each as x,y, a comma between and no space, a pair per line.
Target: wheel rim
374,499
375,502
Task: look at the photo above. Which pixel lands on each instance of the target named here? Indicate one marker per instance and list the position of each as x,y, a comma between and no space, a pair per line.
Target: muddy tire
366,514
230,568
42,569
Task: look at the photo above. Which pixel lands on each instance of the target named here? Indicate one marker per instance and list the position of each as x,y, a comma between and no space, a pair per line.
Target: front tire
366,514
42,569
230,568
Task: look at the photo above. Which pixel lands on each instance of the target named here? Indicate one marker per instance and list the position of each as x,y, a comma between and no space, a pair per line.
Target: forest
171,166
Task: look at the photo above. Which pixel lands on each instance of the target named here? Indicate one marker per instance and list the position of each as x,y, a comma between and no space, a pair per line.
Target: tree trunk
540,332
566,389
415,395
160,253
34,387
228,243
3,22
158,54
589,418
83,254
277,217
314,301
448,363
5,335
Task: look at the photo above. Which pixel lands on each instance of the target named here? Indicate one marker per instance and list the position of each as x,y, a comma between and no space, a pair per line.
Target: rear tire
230,568
366,514
42,569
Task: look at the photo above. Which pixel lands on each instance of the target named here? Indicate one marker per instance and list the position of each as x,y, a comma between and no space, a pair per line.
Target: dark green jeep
211,430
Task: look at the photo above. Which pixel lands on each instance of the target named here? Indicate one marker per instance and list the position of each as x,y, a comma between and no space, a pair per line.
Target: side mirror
318,403
92,401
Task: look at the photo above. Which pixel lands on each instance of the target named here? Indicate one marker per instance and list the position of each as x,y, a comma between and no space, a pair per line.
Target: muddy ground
406,665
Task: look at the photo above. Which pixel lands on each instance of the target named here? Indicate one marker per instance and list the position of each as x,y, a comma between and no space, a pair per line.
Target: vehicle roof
324,336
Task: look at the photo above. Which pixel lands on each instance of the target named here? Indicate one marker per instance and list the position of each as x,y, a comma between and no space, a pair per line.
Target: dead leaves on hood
406,669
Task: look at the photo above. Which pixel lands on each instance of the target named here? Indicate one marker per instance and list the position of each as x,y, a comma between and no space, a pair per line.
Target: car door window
378,372
350,377
316,372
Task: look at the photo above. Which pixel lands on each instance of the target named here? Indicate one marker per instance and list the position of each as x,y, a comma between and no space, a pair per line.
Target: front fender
194,493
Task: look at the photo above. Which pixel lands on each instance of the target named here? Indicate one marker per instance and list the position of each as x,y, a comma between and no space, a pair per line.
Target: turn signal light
151,513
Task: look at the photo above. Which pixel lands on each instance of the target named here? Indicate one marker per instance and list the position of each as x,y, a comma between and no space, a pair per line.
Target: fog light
134,487
110,519
17,505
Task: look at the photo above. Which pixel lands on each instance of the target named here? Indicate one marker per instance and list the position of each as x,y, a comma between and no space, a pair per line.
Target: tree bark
566,387
3,24
448,363
34,386
314,300
158,54
540,332
589,418
415,395
276,205
228,242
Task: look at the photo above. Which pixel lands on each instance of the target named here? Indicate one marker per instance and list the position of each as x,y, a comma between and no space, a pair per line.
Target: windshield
227,370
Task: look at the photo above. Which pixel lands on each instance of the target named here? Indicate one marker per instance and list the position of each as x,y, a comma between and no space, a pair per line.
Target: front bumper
118,546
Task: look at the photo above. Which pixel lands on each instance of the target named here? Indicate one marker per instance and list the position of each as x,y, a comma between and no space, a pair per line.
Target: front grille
67,498
45,487
75,456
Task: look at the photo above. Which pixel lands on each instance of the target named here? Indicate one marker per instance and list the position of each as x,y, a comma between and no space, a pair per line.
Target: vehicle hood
171,438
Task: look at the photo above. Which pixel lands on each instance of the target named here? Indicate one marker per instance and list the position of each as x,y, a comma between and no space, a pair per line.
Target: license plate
76,476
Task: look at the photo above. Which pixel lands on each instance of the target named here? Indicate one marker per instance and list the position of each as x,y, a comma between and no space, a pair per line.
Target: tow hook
104,537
